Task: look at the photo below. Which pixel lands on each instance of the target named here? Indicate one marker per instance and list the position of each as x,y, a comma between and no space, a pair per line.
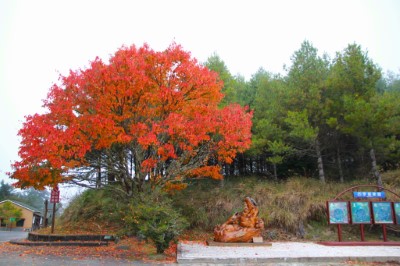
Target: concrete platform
221,244
284,253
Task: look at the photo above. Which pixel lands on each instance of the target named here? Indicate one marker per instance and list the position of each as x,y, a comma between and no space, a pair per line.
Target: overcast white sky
41,39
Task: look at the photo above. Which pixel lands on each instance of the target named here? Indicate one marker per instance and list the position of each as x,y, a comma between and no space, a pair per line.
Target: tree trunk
232,168
275,172
339,161
242,164
375,170
110,177
319,161
98,179
262,165
258,163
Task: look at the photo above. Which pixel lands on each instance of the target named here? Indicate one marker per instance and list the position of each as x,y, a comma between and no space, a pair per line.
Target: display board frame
382,212
360,212
396,209
338,212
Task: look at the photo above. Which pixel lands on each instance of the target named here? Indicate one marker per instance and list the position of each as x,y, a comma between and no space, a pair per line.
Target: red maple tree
142,116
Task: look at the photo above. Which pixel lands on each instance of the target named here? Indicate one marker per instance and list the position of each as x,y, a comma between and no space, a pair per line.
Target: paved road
14,259
7,235
308,254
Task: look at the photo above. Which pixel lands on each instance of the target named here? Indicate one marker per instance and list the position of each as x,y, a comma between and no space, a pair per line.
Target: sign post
46,204
54,198
338,213
367,207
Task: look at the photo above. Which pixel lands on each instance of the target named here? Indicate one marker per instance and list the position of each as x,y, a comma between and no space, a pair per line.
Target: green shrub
152,216
95,207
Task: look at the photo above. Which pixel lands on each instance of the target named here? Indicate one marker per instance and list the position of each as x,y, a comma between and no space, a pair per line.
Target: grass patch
292,210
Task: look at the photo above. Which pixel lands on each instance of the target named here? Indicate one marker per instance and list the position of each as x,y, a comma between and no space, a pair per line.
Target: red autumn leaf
142,113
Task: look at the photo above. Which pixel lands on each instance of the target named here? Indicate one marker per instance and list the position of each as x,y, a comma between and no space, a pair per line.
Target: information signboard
55,195
382,212
364,194
360,212
397,211
338,212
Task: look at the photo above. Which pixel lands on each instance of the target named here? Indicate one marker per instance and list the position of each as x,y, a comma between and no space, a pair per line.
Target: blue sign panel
359,194
338,212
397,211
360,212
382,212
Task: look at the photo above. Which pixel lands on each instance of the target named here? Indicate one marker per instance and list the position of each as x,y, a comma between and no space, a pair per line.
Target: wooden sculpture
241,227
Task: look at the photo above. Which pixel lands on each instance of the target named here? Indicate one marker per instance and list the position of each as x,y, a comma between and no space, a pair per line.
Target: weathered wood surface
241,227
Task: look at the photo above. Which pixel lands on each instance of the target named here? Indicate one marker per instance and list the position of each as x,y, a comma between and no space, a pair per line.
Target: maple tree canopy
143,116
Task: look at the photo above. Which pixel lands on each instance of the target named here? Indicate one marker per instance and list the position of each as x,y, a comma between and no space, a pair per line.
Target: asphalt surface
16,259
11,235
32,260
193,253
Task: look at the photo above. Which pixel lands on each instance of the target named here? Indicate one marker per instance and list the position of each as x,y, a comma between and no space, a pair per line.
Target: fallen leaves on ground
126,249
197,236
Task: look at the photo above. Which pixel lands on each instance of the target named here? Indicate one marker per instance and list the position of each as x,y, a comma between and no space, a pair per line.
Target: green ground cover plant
292,210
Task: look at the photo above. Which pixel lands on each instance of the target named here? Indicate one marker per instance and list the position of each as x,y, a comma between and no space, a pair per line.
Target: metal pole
339,231
53,218
384,232
46,204
362,232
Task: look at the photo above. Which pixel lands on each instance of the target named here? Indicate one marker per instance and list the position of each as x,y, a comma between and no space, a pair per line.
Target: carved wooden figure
241,227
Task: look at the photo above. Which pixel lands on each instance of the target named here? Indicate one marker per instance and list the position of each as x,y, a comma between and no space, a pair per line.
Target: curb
283,253
23,242
233,244
274,261
65,238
